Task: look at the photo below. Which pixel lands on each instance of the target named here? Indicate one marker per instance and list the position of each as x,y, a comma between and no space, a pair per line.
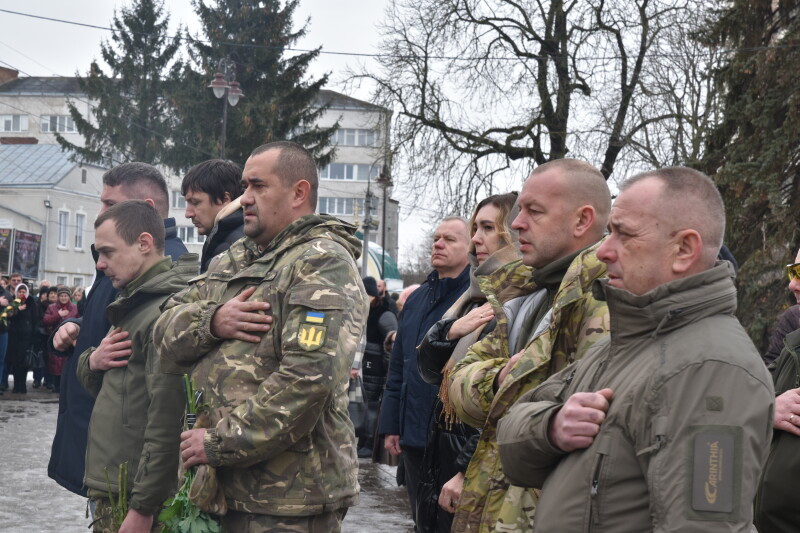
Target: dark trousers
412,463
20,377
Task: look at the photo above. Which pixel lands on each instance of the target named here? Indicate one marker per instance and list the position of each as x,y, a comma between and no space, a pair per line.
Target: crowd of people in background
25,325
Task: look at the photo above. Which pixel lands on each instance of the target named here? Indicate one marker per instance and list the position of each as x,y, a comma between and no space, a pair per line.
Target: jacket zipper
594,493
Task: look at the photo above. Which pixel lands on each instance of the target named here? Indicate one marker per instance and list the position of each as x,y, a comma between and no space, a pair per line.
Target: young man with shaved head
666,424
548,319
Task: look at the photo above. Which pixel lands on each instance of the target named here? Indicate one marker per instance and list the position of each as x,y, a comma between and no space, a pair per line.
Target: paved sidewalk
30,502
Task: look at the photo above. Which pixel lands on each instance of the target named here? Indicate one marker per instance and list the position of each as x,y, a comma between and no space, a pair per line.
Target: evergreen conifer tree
129,119
754,152
280,101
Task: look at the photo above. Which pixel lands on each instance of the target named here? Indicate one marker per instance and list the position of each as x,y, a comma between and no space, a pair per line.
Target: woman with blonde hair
451,443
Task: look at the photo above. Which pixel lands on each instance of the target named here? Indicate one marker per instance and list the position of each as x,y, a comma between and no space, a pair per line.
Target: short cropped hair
692,200
214,177
131,219
295,163
140,181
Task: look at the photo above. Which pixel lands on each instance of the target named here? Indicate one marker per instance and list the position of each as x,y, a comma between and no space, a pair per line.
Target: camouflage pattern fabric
281,437
330,522
104,519
578,321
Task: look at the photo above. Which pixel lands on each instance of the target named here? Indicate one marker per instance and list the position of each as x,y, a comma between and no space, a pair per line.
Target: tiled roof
33,164
42,85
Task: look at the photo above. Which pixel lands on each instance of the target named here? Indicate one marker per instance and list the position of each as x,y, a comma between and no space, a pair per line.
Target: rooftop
33,164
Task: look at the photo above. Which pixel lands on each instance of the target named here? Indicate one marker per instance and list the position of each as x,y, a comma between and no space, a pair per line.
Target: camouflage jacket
281,438
137,415
578,321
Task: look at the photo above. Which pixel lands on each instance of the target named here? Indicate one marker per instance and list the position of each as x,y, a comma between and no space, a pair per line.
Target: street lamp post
225,84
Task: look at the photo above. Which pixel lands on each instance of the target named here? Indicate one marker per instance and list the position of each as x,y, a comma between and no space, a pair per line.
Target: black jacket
375,365
776,509
68,454
226,232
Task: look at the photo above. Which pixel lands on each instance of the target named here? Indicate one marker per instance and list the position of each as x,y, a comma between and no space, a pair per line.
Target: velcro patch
716,469
311,337
315,317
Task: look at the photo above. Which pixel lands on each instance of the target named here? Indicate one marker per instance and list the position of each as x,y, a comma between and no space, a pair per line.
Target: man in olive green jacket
271,330
546,318
137,415
664,426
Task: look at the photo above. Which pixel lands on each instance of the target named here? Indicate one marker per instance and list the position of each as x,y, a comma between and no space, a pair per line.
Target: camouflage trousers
104,518
236,522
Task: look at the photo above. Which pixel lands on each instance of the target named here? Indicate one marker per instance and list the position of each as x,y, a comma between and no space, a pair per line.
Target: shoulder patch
716,465
315,317
311,337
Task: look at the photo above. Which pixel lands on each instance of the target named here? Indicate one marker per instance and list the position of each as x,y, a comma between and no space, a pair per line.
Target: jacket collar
669,306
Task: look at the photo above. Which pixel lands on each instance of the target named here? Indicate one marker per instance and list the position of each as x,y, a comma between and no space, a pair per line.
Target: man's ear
688,251
151,202
145,242
584,220
301,190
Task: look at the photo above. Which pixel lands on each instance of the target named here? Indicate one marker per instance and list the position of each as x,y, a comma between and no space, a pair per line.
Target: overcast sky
39,47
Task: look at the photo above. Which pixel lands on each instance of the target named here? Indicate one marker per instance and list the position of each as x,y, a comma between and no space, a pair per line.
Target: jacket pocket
596,487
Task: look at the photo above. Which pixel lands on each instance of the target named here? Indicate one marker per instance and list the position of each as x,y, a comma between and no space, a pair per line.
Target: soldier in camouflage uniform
271,330
546,318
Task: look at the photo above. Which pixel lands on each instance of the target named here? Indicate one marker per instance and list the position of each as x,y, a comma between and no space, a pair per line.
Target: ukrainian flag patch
315,317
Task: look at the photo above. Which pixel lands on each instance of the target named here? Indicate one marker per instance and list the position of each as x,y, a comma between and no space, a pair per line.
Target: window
344,206
58,123
78,281
178,201
349,171
63,227
189,235
10,123
356,137
83,175
61,280
80,221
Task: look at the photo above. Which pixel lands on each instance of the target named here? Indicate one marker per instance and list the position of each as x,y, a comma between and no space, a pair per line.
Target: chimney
7,74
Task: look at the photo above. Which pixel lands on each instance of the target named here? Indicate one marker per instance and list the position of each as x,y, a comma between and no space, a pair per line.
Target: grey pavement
30,502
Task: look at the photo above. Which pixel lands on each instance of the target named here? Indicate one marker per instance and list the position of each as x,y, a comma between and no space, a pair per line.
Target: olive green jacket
688,427
281,438
578,321
137,415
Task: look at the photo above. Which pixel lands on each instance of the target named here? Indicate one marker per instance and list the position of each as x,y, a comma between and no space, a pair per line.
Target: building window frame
80,224
63,228
14,123
57,123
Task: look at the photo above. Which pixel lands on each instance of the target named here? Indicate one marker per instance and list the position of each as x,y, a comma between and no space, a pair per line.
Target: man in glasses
663,426
776,508
789,319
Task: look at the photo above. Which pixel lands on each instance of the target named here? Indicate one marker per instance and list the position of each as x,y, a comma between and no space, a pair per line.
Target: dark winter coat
67,457
375,364
226,231
407,399
21,332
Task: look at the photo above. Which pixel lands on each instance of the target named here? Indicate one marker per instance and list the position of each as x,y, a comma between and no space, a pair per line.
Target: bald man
666,424
550,319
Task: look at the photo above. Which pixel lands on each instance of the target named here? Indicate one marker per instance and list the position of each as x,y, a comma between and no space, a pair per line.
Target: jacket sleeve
703,446
90,379
78,321
155,478
472,380
309,380
526,453
182,333
435,350
466,452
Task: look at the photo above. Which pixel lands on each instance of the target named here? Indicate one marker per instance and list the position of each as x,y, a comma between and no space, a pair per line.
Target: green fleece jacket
137,415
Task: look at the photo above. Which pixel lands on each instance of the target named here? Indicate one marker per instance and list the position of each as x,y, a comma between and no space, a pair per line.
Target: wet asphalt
30,502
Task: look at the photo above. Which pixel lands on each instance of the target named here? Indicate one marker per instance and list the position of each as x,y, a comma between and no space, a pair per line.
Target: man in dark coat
129,181
406,391
211,190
